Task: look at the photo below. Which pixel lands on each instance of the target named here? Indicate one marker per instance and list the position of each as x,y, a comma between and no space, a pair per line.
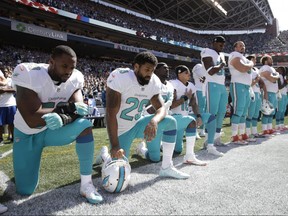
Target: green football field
59,165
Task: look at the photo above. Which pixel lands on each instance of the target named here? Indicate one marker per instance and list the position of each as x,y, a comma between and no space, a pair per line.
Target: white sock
254,130
210,145
143,151
85,179
217,135
234,128
241,128
190,144
168,149
248,131
269,126
264,127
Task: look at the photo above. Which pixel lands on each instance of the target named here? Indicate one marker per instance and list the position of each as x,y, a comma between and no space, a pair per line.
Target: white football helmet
267,108
116,175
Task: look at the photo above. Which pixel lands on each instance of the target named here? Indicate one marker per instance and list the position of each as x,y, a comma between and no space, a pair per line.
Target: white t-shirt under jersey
255,73
134,97
237,76
198,72
217,59
35,77
271,87
181,89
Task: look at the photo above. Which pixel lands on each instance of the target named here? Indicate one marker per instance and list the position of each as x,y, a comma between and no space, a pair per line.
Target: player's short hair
249,57
145,57
160,64
219,39
264,58
282,68
62,49
180,69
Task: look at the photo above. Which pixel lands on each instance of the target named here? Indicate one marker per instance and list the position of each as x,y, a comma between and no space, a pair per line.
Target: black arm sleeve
65,108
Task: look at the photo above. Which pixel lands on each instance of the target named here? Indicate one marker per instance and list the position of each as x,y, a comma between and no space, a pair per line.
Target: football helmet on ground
116,175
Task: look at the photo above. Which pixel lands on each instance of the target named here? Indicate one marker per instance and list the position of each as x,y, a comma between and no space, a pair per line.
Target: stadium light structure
218,6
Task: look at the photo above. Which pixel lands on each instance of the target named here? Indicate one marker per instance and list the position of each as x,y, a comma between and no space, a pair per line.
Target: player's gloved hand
53,121
81,108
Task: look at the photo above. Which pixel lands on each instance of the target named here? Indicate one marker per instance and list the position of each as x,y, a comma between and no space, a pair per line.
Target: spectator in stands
7,104
50,113
124,106
217,98
241,79
270,78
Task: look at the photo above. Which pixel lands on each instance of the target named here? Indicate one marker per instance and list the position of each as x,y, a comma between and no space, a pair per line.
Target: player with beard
185,123
128,93
241,80
270,78
50,113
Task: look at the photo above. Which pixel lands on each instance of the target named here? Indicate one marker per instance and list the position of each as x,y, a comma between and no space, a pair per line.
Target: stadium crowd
255,42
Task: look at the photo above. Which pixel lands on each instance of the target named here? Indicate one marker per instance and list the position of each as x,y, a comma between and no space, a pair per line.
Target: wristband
66,118
198,116
65,108
185,97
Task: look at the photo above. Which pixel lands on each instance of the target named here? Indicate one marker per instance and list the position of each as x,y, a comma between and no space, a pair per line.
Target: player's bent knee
154,157
169,122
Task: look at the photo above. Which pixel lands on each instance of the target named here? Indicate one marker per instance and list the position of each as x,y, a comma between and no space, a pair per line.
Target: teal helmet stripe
121,179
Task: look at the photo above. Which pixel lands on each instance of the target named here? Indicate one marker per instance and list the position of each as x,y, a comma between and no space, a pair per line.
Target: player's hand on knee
150,131
53,121
81,108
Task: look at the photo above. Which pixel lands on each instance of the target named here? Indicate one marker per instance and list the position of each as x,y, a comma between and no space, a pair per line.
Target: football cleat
90,193
192,160
172,172
212,150
99,157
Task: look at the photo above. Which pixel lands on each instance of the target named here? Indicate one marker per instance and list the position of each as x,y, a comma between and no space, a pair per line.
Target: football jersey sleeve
197,69
206,53
21,76
117,81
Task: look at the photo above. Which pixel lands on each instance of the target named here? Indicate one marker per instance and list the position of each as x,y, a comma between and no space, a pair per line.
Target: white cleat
192,160
212,150
99,157
172,172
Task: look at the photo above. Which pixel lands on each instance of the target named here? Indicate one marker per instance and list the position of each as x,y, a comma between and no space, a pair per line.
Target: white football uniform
237,76
134,97
283,90
181,89
217,59
35,77
198,72
271,87
255,73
